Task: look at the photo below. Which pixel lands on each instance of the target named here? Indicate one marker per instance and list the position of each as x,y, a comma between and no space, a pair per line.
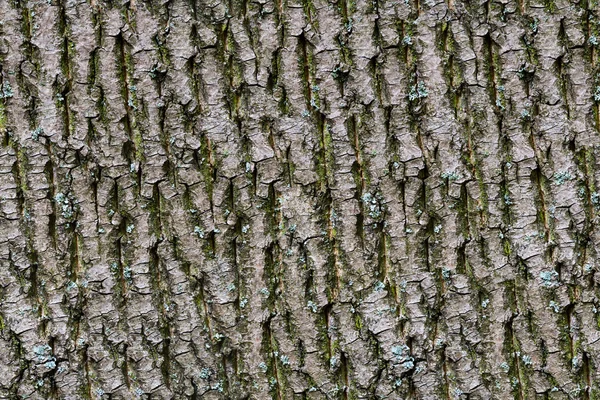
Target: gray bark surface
299,199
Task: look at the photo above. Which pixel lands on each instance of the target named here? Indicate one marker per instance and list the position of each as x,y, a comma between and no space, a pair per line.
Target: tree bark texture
299,199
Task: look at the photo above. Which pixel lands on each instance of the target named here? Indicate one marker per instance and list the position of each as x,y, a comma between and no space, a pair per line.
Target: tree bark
299,199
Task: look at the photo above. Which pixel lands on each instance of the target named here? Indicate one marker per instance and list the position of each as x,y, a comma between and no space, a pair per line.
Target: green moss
406,34
506,247
162,50
102,107
154,208
284,104
139,145
358,322
20,170
2,119
128,15
68,54
311,11
345,51
324,342
124,64
550,6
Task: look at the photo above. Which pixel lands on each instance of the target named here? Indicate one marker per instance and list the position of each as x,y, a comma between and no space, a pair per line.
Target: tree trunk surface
299,199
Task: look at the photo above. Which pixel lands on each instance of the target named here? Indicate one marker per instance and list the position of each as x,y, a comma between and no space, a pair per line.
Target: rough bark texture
299,199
